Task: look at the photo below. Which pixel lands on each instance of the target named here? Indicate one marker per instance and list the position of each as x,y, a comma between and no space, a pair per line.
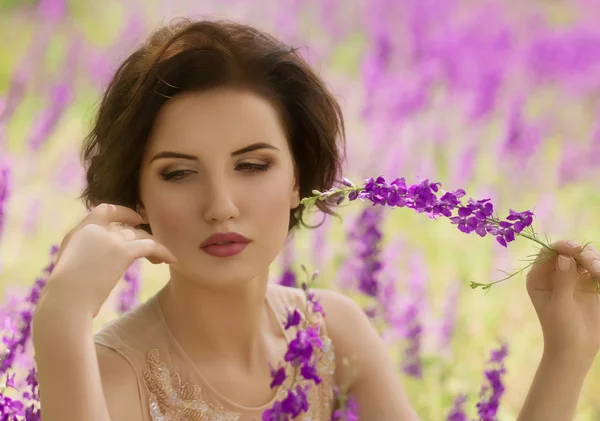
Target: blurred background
500,98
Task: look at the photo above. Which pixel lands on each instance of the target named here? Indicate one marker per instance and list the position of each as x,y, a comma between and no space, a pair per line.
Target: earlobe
142,212
295,199
296,189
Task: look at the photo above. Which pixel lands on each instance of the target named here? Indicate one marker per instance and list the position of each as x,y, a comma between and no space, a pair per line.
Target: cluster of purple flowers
493,389
5,185
128,298
474,216
367,238
301,356
348,408
15,343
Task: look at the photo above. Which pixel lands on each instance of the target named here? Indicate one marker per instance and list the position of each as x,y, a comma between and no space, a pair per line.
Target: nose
219,205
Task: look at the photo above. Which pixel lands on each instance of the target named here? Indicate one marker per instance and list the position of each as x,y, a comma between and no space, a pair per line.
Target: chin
225,274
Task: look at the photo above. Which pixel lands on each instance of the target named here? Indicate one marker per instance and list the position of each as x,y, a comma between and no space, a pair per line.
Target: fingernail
596,266
564,263
573,244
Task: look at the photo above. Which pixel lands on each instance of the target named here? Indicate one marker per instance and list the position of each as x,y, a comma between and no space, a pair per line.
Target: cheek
273,203
169,217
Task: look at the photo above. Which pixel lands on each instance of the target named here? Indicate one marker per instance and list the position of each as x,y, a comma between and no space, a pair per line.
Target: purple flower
130,293
293,319
276,413
315,302
309,372
300,349
278,377
493,388
366,238
475,216
10,409
449,315
301,356
5,191
457,413
288,279
296,402
17,339
348,410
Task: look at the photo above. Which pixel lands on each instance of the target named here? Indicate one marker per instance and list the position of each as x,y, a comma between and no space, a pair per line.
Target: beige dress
172,388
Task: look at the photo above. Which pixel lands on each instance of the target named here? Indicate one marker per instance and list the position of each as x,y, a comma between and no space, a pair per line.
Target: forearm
555,390
68,373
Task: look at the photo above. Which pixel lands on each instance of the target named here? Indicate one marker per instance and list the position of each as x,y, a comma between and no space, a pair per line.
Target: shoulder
343,316
131,329
288,295
339,309
119,384
355,339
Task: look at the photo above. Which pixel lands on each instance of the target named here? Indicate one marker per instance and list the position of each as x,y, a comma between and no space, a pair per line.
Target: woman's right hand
94,256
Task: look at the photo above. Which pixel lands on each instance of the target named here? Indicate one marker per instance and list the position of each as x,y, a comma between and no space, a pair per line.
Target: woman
205,141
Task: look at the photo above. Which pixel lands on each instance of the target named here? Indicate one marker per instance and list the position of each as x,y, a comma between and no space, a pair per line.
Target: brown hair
191,55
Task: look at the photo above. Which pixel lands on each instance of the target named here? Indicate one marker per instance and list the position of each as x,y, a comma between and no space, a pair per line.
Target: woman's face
218,162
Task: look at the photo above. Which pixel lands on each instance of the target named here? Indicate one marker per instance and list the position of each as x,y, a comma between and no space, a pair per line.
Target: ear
142,211
295,199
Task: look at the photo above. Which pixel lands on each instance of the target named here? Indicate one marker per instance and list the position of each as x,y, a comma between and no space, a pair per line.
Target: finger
565,278
126,234
589,259
566,247
149,248
106,214
130,234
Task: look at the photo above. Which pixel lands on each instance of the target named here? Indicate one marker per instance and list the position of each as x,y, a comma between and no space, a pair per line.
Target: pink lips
225,244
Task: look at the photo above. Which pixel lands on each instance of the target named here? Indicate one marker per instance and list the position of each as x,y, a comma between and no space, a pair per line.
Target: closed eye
252,168
175,175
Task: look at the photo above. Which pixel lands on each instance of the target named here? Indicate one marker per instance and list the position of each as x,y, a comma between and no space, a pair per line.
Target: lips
224,238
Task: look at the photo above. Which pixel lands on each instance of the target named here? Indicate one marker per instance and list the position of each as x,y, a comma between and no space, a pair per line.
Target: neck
224,323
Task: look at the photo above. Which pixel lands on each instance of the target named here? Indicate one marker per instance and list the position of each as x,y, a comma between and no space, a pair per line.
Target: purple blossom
288,279
5,191
61,96
493,388
309,372
300,349
17,339
129,296
449,314
278,377
475,216
348,412
458,413
301,356
293,319
315,303
366,238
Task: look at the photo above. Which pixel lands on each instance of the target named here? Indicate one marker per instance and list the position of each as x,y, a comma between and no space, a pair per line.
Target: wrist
571,360
56,320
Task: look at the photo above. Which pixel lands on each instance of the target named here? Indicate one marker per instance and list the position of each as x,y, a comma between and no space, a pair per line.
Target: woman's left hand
567,302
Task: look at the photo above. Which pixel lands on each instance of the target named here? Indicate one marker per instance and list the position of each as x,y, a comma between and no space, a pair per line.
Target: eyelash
250,169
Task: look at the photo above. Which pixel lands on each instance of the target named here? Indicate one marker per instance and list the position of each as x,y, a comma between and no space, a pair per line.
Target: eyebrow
246,149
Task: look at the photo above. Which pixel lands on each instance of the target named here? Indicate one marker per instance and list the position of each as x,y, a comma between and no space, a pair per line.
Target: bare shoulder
347,324
120,386
370,374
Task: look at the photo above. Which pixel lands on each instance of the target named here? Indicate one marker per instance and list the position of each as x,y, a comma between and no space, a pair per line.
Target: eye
252,168
175,175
